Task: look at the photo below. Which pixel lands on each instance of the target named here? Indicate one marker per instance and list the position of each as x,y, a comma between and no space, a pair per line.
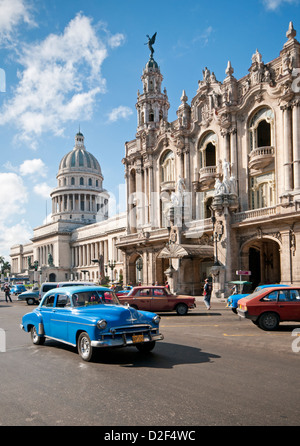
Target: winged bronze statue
151,41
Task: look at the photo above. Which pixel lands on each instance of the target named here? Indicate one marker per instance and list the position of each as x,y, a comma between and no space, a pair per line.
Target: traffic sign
243,273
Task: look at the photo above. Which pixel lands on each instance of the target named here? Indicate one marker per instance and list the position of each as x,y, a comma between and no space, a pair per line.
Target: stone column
296,144
287,149
233,152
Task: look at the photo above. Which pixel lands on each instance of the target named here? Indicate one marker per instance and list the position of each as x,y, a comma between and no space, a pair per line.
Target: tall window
167,167
207,150
260,128
262,191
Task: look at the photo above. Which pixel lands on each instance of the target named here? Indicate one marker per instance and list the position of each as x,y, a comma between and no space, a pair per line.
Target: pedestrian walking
207,294
7,292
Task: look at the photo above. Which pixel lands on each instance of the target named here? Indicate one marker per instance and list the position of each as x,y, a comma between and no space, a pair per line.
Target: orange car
270,306
157,298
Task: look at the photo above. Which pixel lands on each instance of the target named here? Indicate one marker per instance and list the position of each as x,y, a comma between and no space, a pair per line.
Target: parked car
32,297
268,307
158,298
232,301
124,291
91,318
17,289
46,286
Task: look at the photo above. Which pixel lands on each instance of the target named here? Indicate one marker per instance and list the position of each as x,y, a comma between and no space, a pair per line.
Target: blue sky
72,62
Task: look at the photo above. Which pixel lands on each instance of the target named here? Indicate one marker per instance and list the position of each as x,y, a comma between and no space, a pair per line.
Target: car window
158,292
48,287
295,295
289,296
271,297
283,296
94,297
49,301
145,292
63,301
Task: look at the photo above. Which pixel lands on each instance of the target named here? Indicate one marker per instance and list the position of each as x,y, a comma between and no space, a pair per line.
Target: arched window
167,167
260,129
81,182
151,116
207,150
72,181
90,182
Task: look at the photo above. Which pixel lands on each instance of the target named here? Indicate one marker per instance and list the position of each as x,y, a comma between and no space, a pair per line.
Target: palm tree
4,265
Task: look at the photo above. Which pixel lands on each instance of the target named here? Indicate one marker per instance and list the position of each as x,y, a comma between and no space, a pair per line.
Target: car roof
78,289
150,286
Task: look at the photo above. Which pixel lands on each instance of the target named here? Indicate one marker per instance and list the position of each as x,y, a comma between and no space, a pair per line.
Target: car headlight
156,319
101,324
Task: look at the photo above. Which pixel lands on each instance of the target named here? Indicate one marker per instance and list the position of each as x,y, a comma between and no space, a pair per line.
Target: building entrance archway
262,258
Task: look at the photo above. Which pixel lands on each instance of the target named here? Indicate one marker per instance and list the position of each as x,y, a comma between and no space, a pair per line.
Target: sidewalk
213,299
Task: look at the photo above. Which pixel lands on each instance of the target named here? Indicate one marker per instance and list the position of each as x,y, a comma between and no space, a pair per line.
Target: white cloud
12,14
116,40
60,81
13,195
120,112
43,190
19,233
272,5
13,199
33,167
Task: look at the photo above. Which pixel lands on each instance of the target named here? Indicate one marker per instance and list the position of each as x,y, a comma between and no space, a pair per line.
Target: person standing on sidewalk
7,292
207,294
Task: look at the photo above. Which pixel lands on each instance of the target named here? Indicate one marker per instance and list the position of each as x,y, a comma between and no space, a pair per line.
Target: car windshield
94,297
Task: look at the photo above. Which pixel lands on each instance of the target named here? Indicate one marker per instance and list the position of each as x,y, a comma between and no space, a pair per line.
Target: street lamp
139,267
111,265
100,264
216,237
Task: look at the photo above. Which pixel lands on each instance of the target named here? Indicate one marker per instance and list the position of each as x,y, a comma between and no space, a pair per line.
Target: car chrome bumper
245,314
125,341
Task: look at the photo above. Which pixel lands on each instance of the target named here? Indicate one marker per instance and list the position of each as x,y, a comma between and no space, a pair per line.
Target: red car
270,306
156,299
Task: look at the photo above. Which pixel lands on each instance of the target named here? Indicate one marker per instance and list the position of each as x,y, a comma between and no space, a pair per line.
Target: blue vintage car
232,301
90,318
17,289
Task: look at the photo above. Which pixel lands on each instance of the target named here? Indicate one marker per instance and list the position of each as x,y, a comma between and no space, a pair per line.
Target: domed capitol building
214,192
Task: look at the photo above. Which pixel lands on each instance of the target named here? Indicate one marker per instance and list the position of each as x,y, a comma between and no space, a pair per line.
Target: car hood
122,315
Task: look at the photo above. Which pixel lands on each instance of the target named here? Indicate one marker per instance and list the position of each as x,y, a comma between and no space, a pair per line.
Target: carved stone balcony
207,176
260,158
168,186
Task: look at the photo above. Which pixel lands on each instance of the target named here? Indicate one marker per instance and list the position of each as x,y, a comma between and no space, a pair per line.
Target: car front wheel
30,301
181,309
268,321
84,347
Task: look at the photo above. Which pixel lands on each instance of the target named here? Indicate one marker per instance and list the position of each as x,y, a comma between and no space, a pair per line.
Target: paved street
212,369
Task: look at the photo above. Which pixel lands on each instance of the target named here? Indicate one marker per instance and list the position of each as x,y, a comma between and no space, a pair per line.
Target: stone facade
218,189
214,192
